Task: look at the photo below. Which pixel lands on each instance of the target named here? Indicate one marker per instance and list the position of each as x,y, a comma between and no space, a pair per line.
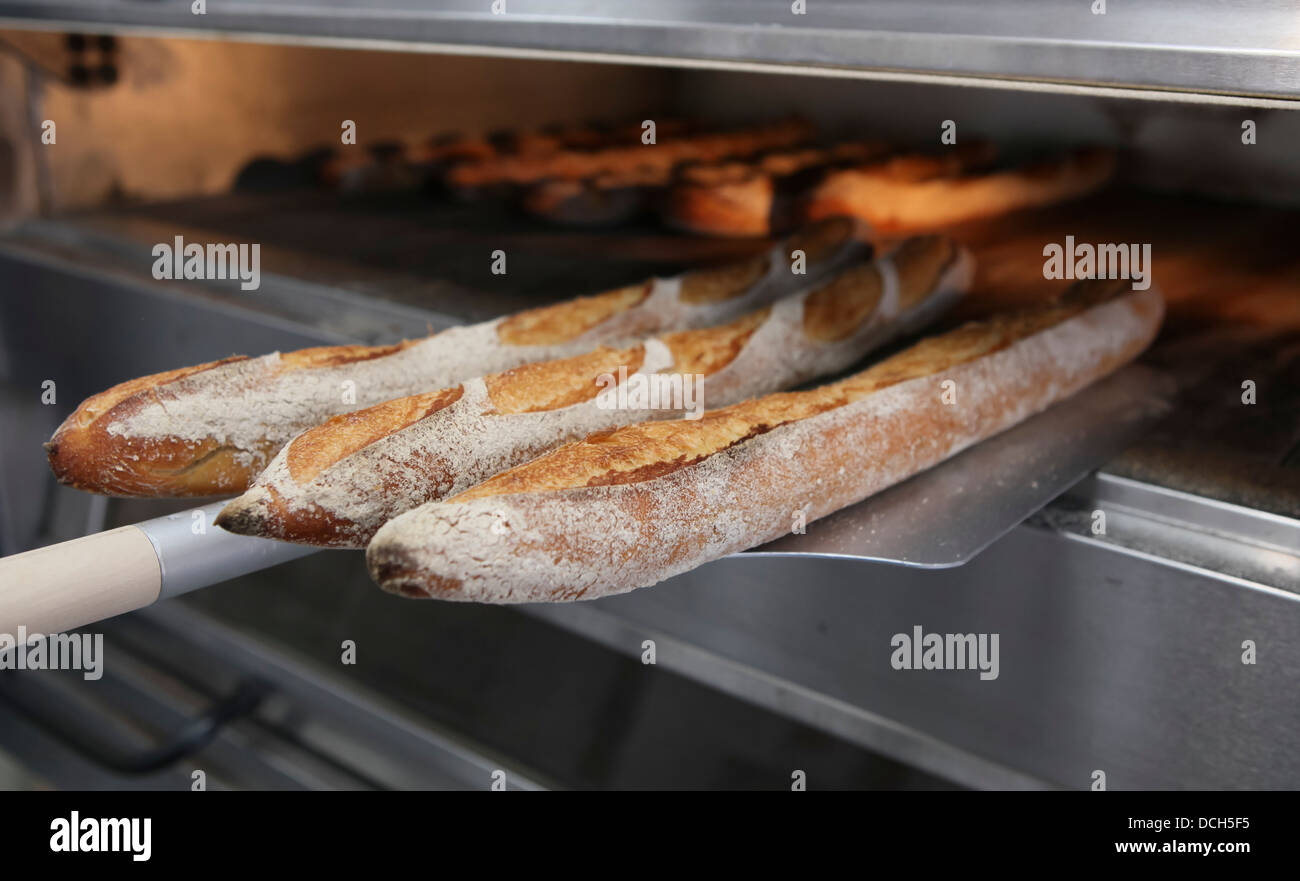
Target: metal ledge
1191,48
1245,546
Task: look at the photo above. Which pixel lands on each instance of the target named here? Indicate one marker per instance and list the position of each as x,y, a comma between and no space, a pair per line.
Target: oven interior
1121,651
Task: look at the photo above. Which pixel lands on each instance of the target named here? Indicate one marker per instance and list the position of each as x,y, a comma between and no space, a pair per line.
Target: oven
1135,549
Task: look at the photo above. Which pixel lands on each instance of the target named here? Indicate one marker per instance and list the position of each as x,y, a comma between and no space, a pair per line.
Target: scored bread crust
893,200
210,429
336,484
560,528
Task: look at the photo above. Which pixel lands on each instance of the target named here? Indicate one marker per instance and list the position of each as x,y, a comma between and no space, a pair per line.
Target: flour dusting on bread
566,540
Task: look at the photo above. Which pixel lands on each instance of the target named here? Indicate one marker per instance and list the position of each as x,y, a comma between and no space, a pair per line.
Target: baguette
445,151
893,199
581,164
209,429
631,507
738,198
734,197
605,200
336,484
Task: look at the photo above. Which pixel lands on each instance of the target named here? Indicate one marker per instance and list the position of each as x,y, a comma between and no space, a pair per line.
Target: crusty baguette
734,197
754,198
449,149
581,164
209,429
894,199
604,200
739,198
337,483
634,506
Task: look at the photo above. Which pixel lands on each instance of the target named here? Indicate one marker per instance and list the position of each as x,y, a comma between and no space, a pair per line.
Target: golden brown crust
531,388
834,312
710,349
84,454
739,206
737,198
641,452
716,284
786,163
318,448
577,164
550,385
920,262
819,239
336,356
717,174
273,517
82,449
94,460
561,322
916,193
97,406
309,521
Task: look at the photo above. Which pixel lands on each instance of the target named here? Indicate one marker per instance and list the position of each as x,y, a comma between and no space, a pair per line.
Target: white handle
78,582
68,585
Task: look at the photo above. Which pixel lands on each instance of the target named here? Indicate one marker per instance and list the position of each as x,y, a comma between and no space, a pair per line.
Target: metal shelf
1190,49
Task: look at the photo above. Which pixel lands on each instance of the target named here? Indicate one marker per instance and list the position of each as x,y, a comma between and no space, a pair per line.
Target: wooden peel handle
67,585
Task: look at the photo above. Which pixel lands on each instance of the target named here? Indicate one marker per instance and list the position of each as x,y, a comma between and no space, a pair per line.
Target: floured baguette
337,483
634,506
209,429
892,198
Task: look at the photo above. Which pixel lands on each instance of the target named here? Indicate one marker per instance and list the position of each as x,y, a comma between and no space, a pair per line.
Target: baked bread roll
337,483
898,198
209,429
631,507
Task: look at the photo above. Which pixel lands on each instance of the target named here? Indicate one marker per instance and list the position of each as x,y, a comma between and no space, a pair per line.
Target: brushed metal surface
1196,46
1107,661
193,552
1234,542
